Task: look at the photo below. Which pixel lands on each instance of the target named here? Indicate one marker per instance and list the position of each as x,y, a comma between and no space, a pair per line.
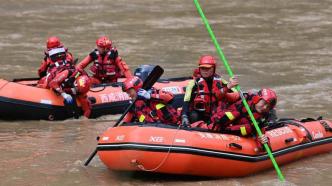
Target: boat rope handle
235,145
141,166
288,140
103,88
294,123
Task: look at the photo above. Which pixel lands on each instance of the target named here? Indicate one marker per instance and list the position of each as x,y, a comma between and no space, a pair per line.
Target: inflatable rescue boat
20,99
168,149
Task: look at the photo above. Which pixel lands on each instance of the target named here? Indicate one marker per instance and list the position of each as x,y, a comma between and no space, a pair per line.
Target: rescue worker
205,92
151,105
56,56
71,83
107,64
235,118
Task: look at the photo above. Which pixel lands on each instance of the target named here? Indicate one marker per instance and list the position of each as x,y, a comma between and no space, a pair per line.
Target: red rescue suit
154,110
106,68
64,82
235,118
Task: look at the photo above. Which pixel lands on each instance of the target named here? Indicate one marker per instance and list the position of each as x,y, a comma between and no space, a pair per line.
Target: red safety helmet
104,42
132,82
207,62
53,42
83,84
269,96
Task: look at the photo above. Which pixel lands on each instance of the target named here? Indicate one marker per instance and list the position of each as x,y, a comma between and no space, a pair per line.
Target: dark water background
285,45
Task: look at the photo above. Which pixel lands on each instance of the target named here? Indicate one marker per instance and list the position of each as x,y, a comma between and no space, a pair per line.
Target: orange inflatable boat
168,149
20,99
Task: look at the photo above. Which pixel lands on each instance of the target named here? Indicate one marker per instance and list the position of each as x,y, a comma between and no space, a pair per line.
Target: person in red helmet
235,118
107,64
72,83
56,57
151,105
205,92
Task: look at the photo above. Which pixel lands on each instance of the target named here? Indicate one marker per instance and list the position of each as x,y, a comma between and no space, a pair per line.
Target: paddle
229,70
152,78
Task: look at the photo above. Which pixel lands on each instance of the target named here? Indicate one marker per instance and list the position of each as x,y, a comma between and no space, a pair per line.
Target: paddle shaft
229,70
91,157
124,113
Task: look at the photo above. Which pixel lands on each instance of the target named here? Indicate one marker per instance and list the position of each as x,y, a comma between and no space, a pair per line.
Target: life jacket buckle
199,105
153,114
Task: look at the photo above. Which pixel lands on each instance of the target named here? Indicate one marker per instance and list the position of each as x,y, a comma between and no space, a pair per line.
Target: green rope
229,70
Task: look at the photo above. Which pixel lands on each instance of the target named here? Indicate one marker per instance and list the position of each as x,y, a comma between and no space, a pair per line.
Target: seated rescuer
235,118
151,105
56,56
71,83
205,92
107,65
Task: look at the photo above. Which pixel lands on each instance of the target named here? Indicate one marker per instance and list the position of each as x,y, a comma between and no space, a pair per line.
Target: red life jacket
205,100
104,67
153,111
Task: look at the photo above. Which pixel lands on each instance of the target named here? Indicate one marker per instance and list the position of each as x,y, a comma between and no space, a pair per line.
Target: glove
67,98
143,94
185,121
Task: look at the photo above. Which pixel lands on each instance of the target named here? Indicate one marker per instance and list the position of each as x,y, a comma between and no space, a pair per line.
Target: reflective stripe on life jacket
230,116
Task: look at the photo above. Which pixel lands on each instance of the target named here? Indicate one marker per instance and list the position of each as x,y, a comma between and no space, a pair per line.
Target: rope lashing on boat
326,126
140,166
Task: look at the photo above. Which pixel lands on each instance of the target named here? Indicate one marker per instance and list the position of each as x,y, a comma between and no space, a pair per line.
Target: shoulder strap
94,54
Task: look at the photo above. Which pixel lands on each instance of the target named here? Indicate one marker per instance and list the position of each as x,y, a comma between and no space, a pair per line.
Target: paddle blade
153,77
